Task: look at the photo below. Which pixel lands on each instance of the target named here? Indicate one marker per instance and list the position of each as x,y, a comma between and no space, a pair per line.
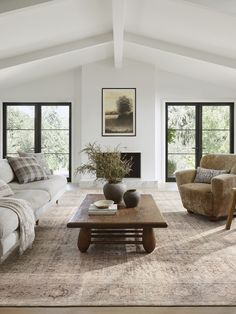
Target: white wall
141,76
82,87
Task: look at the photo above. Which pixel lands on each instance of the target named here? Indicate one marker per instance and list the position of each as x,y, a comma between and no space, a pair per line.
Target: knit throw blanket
26,220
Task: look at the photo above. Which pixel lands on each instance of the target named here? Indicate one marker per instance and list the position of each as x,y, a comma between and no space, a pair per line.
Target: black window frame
198,131
37,125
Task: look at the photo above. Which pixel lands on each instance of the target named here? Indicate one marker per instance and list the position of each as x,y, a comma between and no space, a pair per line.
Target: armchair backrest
219,162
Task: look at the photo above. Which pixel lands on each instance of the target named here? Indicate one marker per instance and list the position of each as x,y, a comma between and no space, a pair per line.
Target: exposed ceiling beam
56,50
180,50
118,18
11,5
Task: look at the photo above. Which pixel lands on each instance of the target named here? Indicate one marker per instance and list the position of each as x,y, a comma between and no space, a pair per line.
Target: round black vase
131,198
114,191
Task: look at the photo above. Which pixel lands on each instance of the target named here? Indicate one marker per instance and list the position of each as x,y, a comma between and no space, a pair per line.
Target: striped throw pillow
27,169
5,189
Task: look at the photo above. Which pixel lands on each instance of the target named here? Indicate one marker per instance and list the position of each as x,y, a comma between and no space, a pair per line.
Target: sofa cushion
27,169
40,159
6,173
8,221
5,189
197,197
53,185
36,198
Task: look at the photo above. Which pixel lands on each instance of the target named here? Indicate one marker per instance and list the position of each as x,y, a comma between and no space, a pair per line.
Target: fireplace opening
136,164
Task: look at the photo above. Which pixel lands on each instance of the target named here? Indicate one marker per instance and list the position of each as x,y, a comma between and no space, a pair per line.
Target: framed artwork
119,112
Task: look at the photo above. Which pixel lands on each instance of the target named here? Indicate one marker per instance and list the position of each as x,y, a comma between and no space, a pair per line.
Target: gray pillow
40,158
5,189
205,175
27,169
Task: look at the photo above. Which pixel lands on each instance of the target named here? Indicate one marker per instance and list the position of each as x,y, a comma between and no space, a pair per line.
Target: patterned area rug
194,263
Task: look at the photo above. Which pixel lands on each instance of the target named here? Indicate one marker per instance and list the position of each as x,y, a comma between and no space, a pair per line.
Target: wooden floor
119,310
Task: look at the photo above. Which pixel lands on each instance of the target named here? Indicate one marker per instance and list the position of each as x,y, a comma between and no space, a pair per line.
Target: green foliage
56,140
171,167
18,139
108,165
216,118
171,135
18,119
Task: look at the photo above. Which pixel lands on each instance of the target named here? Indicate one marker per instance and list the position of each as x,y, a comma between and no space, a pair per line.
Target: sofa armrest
221,187
185,176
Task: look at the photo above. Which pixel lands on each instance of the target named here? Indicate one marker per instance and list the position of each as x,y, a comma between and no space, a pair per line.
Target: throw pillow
27,169
205,175
5,189
40,158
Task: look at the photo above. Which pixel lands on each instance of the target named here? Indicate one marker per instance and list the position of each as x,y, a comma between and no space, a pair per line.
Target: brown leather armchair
212,200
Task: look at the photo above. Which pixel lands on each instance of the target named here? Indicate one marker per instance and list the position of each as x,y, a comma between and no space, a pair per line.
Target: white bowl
103,203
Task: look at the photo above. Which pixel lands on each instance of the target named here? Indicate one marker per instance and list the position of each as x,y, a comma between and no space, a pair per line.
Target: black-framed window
39,127
194,130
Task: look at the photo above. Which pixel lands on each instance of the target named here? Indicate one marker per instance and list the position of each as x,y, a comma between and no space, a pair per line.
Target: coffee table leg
149,241
84,239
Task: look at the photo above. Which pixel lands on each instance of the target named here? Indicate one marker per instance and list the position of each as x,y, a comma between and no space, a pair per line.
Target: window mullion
37,127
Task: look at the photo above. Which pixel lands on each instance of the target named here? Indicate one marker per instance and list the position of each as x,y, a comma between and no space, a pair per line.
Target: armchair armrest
185,176
221,187
223,183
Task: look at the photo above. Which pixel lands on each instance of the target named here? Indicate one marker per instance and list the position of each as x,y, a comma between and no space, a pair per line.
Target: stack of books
111,210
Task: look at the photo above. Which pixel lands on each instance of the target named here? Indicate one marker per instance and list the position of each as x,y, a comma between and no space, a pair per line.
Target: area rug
194,263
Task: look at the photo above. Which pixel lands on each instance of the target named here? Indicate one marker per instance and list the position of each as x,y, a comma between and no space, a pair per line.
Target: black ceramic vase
114,191
131,198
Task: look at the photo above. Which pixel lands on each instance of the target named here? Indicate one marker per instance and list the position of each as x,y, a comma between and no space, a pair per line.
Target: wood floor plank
120,310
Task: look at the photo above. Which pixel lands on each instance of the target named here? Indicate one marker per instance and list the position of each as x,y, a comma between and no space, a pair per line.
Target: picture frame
118,111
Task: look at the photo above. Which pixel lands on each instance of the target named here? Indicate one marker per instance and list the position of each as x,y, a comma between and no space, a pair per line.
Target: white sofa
40,194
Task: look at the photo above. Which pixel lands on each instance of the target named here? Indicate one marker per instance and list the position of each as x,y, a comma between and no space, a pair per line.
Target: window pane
216,133
59,163
181,117
180,138
216,142
55,117
20,117
55,141
179,162
20,140
215,117
55,137
181,141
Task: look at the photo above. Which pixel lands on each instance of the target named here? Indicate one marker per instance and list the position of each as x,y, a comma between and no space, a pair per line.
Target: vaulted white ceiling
195,38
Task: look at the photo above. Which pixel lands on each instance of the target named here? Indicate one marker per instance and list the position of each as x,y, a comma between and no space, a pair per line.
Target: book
111,210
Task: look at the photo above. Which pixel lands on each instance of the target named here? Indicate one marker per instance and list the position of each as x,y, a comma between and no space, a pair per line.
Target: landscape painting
119,111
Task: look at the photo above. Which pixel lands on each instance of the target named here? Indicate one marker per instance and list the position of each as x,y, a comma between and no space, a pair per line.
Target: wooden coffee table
128,226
